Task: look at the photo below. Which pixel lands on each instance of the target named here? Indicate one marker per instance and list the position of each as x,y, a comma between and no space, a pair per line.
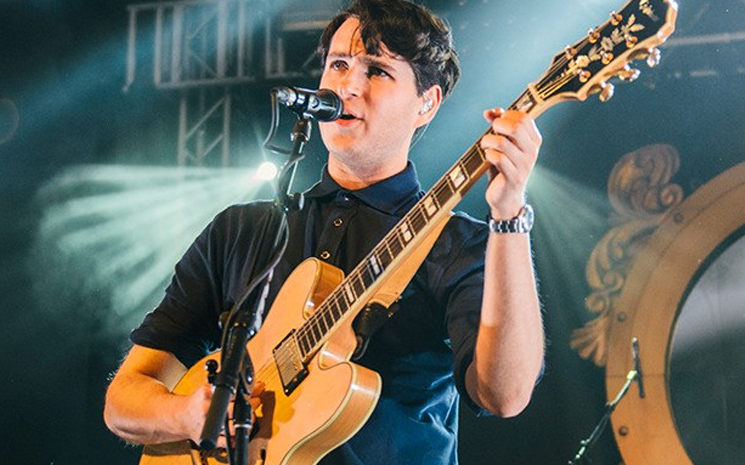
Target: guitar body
329,406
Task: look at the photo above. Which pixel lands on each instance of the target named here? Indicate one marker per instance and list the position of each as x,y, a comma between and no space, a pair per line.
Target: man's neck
360,176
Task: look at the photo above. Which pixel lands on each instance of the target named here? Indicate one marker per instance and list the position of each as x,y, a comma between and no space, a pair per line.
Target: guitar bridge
290,365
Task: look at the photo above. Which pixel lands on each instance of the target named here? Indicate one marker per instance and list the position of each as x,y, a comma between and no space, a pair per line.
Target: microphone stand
235,378
300,136
585,444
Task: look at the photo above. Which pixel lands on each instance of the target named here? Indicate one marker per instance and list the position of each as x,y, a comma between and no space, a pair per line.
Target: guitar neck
359,286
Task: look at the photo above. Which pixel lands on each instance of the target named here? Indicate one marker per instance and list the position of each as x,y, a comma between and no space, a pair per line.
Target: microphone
321,104
638,367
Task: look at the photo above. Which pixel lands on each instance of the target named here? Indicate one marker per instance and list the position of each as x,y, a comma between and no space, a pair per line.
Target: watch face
527,217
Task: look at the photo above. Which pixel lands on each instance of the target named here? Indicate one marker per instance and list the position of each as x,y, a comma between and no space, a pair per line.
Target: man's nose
352,83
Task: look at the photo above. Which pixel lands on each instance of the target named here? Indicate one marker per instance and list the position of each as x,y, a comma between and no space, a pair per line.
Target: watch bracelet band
520,224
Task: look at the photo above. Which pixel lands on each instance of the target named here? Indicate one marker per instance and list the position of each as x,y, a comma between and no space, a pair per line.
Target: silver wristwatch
520,224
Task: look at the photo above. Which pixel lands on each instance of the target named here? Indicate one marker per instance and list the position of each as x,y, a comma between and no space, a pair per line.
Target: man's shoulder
462,233
239,218
244,211
461,224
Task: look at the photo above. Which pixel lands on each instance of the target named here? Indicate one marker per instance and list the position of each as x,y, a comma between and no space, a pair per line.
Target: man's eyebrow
372,61
366,59
339,55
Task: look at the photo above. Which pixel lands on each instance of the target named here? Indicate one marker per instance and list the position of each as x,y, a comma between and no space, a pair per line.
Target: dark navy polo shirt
421,353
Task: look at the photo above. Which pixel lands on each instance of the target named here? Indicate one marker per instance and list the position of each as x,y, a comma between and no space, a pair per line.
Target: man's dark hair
409,30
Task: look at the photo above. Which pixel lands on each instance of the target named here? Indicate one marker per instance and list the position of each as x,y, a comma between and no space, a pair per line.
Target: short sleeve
462,284
204,284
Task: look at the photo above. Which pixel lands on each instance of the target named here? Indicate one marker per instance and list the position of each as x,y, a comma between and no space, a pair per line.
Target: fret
315,331
527,101
457,176
429,206
341,304
474,159
328,319
366,275
396,244
375,265
385,255
418,219
304,344
405,232
348,293
328,312
321,322
357,284
443,191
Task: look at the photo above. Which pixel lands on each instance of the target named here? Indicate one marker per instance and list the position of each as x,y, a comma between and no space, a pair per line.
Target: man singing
468,324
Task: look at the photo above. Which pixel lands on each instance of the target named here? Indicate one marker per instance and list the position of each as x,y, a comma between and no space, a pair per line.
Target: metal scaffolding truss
195,42
204,48
204,126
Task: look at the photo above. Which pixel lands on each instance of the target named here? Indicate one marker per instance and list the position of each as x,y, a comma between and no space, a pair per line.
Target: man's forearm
510,344
140,407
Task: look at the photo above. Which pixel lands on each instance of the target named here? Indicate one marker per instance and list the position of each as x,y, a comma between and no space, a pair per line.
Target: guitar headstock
585,68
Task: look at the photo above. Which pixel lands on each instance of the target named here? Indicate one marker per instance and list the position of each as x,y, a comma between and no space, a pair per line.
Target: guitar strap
368,322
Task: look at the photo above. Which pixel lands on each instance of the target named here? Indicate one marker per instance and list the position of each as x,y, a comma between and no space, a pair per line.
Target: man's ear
431,100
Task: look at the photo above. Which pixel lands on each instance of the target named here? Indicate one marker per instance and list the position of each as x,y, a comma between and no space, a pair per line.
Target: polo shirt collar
388,195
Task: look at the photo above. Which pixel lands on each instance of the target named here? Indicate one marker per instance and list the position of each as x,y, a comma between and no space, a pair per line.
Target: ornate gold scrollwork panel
640,273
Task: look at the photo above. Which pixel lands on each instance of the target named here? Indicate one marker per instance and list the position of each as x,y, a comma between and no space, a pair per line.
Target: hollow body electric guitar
315,398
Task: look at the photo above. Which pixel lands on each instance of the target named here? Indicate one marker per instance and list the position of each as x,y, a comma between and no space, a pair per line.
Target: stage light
569,222
266,171
112,234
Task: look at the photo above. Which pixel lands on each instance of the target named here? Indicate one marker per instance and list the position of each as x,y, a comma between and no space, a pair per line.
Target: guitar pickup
289,361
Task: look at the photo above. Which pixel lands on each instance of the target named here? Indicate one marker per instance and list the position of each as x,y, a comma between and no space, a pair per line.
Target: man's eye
375,71
338,65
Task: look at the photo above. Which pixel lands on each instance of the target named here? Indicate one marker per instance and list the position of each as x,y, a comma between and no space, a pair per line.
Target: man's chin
339,144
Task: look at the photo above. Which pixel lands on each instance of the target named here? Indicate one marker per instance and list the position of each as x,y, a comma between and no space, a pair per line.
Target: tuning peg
593,35
629,74
570,52
653,59
606,91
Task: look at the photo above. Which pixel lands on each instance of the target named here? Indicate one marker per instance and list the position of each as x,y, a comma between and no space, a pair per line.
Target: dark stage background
89,195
